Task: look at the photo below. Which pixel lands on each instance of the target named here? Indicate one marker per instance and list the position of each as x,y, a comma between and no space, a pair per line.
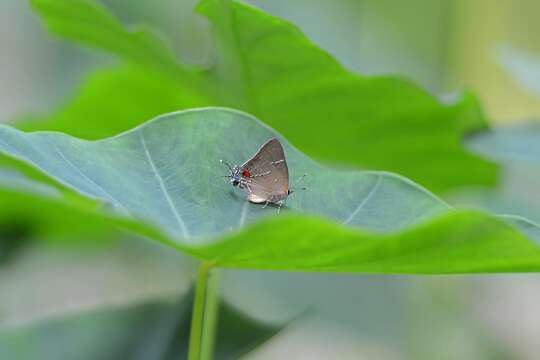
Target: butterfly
264,177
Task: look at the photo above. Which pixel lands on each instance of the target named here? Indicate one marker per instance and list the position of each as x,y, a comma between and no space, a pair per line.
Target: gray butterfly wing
269,175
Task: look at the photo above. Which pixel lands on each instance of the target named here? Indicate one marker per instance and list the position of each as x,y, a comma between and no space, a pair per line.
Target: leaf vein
366,199
162,186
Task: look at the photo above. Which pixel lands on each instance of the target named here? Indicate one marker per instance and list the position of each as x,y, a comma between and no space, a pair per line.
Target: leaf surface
168,171
165,176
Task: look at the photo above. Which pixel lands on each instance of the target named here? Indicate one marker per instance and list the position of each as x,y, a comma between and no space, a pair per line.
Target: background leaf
509,144
267,67
516,149
90,23
116,99
522,66
166,173
153,331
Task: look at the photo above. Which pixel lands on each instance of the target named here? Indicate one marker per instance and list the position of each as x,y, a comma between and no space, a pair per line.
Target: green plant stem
205,313
211,313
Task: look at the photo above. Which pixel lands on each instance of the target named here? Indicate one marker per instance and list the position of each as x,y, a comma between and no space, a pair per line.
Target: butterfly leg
280,205
265,204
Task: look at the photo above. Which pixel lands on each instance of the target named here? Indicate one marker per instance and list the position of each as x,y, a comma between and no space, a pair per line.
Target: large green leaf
267,67
166,173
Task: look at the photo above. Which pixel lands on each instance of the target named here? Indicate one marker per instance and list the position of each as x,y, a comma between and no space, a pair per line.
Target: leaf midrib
162,186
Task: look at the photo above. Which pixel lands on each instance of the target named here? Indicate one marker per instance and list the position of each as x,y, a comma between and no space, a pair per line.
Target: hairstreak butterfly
264,177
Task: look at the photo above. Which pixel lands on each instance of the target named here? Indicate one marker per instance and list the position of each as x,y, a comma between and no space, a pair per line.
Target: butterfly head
235,174
235,177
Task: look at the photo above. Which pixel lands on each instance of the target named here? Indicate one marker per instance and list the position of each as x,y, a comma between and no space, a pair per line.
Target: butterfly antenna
226,164
298,181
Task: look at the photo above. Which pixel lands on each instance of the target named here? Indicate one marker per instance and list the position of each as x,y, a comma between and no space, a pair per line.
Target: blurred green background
60,292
